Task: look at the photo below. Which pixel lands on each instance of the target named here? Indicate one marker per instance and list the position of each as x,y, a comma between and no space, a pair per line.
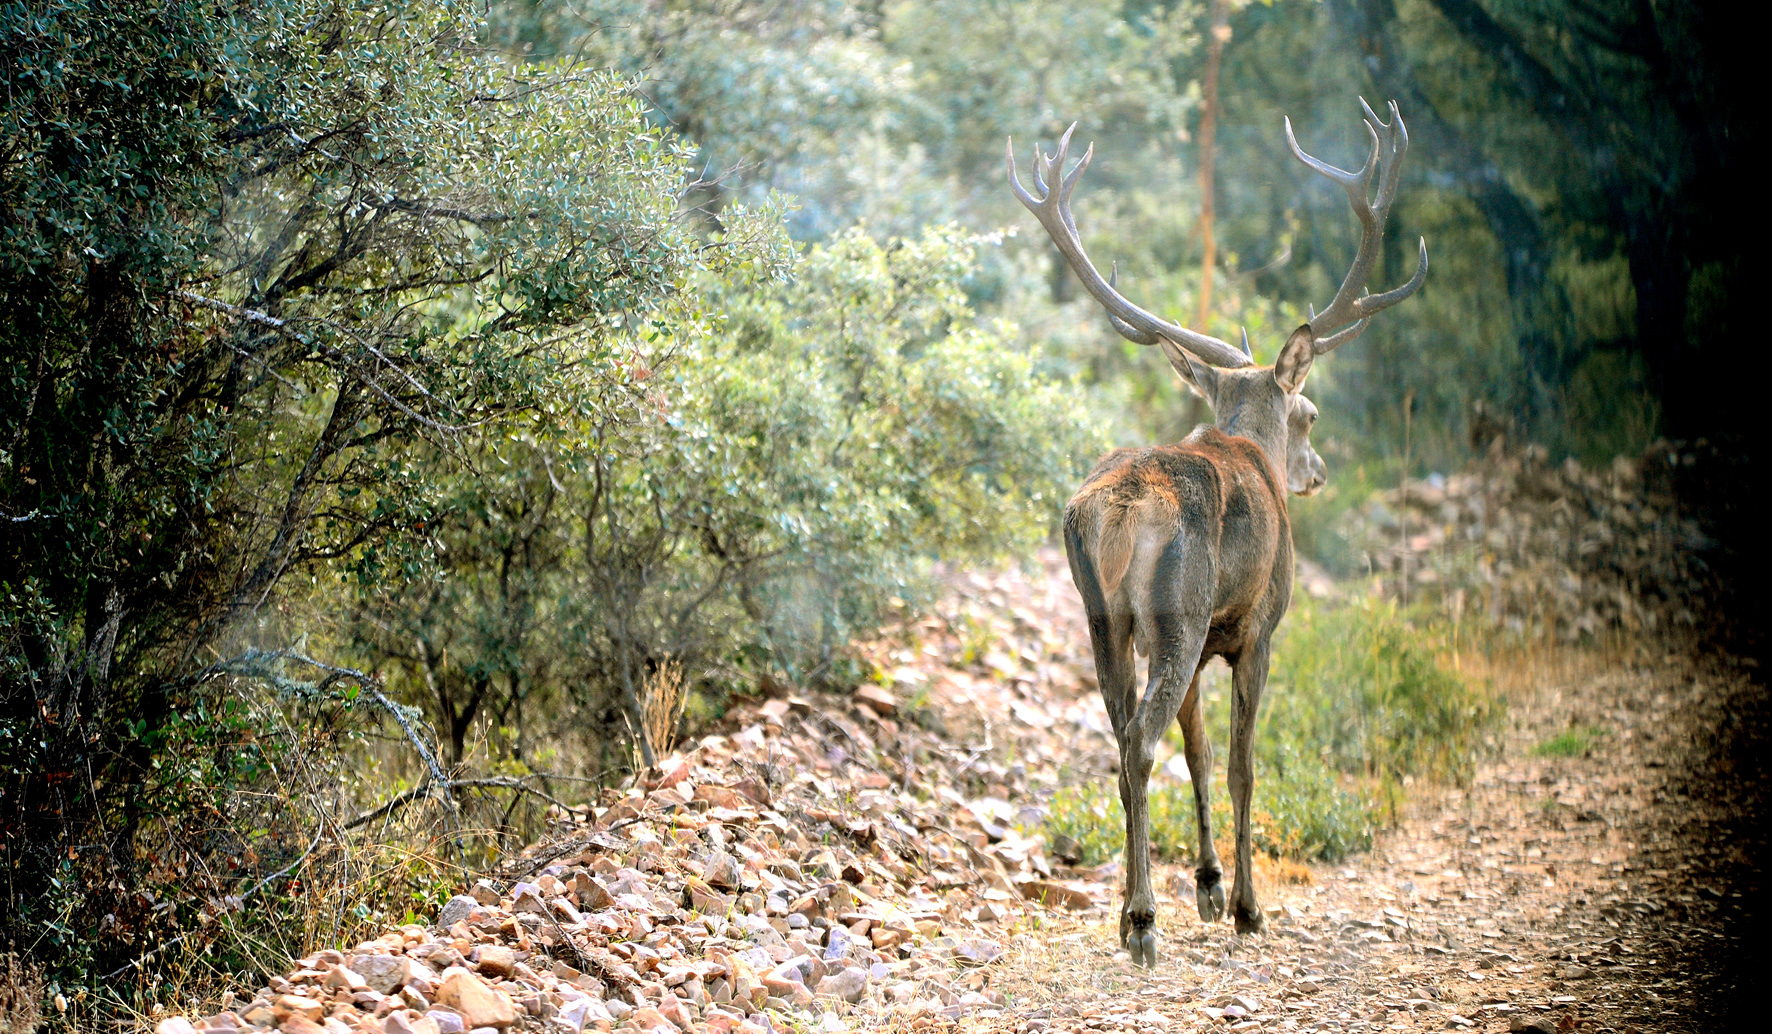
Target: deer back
1218,492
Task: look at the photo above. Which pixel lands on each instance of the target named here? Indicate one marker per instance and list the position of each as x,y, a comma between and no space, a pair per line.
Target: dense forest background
504,366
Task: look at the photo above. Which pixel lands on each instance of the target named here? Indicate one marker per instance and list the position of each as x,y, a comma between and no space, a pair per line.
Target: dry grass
1282,870
356,826
340,894
21,995
1524,674
661,705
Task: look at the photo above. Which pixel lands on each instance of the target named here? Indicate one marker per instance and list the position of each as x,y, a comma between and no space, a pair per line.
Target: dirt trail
1554,894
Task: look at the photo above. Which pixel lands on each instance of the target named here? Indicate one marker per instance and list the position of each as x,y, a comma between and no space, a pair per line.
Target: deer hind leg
1248,679
1110,639
1208,872
1178,612
1117,672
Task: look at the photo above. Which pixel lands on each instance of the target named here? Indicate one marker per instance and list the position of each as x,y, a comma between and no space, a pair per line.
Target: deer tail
1113,546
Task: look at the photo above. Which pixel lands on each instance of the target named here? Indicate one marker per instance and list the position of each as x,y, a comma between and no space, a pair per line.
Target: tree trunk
1216,37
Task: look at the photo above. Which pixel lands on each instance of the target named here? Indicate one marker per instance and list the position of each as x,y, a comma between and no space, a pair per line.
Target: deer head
1263,403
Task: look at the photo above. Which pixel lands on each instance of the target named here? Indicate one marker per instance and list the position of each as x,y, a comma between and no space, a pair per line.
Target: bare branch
285,328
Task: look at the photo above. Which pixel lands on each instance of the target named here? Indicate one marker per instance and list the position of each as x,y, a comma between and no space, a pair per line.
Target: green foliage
260,265
1560,180
1300,811
1573,742
1366,689
1359,700
751,497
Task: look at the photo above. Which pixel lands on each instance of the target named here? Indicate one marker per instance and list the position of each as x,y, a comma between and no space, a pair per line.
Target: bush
1364,687
742,503
258,263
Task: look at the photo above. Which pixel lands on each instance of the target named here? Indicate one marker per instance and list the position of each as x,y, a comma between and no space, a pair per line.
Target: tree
256,259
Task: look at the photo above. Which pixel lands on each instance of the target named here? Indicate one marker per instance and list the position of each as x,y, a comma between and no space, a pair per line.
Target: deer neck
1266,430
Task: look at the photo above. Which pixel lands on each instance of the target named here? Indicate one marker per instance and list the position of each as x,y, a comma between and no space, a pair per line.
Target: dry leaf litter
1544,547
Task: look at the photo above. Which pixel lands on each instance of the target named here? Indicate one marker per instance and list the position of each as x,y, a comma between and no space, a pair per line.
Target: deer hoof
1251,921
1142,945
1210,898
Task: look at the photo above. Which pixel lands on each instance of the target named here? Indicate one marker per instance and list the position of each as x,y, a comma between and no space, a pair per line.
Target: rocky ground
875,861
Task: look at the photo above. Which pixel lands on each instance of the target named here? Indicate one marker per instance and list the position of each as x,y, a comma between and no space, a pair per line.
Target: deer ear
1295,360
1203,379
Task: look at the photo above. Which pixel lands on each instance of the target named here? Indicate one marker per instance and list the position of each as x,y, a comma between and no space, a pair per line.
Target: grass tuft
1574,742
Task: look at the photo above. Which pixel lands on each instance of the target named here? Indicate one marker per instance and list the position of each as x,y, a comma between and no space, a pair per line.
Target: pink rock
407,1021
672,772
479,1005
848,984
879,700
383,973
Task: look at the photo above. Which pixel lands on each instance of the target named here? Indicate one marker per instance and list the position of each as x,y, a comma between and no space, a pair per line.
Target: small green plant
1365,686
1573,742
1089,814
977,638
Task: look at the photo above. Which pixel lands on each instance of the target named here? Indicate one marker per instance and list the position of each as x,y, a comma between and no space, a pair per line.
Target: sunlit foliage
742,503
251,255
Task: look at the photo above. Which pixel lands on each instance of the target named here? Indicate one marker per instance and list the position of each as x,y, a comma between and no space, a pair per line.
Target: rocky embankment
834,861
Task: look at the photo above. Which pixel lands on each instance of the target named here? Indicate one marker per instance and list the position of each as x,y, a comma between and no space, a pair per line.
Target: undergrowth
289,813
1362,699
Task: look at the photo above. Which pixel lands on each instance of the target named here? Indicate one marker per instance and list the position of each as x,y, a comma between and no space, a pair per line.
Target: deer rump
1205,512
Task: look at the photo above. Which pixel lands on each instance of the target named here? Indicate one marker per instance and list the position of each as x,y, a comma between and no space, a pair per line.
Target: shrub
1365,687
259,262
745,501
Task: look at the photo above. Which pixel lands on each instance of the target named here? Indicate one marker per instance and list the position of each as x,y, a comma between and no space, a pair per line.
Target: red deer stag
1184,551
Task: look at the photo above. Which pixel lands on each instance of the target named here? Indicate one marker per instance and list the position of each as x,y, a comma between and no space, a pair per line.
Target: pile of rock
1546,549
790,869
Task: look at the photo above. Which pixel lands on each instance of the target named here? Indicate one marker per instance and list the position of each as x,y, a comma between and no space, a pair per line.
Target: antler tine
1347,179
1340,337
1396,136
1052,207
1344,317
1127,330
1068,182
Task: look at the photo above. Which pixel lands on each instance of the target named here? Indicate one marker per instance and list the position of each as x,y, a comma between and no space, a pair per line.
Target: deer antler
1053,208
1351,309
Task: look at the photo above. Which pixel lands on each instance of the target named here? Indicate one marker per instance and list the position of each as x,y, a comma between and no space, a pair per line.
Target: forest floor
831,862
